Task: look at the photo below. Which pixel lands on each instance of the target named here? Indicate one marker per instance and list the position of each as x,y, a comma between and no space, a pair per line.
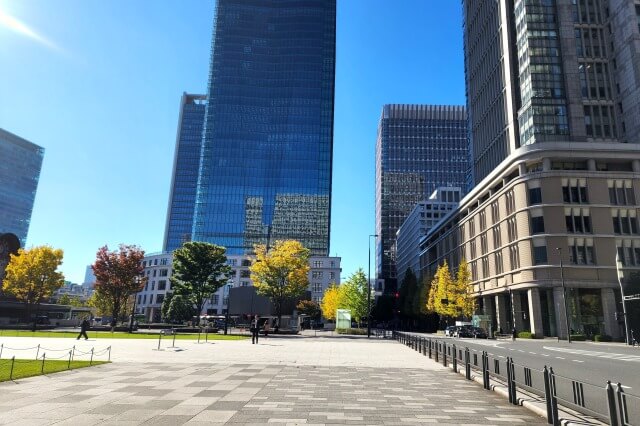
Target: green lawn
29,367
117,335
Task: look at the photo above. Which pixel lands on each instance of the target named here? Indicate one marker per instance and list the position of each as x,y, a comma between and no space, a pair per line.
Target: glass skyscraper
419,148
20,163
265,171
185,171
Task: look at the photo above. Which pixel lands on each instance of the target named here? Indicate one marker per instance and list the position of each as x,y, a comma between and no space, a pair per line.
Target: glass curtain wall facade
265,172
186,163
419,148
20,163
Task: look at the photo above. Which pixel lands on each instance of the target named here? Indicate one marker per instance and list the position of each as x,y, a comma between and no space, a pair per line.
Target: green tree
354,295
465,303
309,308
409,289
423,297
118,277
32,276
281,272
176,308
199,270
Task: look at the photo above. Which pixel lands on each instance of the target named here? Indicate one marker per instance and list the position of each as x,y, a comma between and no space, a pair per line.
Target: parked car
479,333
464,331
450,330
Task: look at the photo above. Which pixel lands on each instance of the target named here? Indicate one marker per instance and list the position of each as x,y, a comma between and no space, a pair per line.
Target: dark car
464,331
479,333
450,331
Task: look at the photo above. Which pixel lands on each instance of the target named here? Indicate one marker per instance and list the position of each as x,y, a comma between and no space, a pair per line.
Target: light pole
369,289
226,317
624,305
564,295
133,310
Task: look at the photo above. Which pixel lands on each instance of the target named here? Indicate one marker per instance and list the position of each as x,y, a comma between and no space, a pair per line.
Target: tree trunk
278,315
35,318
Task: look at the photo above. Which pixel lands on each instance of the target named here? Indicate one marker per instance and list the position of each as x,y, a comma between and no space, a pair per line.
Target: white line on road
576,360
533,353
559,357
596,354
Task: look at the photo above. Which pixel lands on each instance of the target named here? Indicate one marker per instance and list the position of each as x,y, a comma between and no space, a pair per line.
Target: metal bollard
424,346
554,401
547,395
436,357
512,368
173,344
622,403
485,370
73,352
430,348
611,403
467,363
69,363
455,358
38,351
444,354
109,359
44,355
13,361
509,380
1,347
159,339
91,359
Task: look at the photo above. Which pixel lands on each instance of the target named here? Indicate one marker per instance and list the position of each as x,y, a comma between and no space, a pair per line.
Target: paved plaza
282,380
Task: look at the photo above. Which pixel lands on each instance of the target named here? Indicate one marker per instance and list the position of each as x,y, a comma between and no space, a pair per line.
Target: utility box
343,319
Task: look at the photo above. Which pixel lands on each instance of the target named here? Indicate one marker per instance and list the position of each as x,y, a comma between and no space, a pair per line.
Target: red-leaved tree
118,276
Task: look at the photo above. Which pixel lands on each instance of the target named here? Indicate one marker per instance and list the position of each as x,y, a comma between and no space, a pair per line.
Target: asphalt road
590,363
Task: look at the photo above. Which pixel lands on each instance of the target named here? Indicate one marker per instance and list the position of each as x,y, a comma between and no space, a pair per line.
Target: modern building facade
20,164
421,219
158,268
556,163
265,170
419,148
186,164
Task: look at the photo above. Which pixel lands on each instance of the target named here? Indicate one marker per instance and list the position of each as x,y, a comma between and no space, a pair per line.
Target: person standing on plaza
84,326
266,328
255,329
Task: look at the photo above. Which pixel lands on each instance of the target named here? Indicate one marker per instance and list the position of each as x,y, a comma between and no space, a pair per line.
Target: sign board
343,319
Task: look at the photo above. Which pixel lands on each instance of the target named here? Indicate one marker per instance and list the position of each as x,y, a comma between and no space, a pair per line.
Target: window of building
162,285
539,251
317,287
139,299
497,239
499,264
164,261
621,192
483,220
155,272
164,272
317,263
472,228
159,298
581,251
246,262
537,222
624,221
333,264
574,191
510,201
514,256
332,275
316,274
144,299
483,243
578,221
232,262
535,196
245,273
512,230
628,252
472,249
485,267
495,212
474,271
153,285
215,299
244,283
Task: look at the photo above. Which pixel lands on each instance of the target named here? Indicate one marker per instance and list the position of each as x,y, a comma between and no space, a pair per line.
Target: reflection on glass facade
419,148
20,163
185,171
267,146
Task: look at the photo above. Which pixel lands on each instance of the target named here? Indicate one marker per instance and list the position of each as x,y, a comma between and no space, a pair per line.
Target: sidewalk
279,381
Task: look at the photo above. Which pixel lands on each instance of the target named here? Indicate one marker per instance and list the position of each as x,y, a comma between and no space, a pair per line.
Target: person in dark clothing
84,326
255,329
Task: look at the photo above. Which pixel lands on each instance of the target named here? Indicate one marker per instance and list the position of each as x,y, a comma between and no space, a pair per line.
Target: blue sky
98,84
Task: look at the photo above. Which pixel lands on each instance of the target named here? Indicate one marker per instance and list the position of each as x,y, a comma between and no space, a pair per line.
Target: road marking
545,354
533,353
559,357
596,354
576,360
520,350
511,349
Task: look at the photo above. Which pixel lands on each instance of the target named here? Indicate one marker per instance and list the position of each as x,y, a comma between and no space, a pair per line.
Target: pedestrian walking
255,329
514,334
84,326
266,328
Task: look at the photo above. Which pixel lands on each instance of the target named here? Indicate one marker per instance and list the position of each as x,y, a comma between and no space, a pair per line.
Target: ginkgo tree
451,298
32,276
330,302
280,272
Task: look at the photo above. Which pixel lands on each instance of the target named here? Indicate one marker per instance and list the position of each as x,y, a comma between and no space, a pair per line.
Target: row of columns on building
497,307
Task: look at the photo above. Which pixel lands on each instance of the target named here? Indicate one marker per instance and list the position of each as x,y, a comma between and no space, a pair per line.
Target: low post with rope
44,355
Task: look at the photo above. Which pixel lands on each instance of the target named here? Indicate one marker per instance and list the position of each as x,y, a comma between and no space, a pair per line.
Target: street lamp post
627,337
564,295
226,318
133,310
369,289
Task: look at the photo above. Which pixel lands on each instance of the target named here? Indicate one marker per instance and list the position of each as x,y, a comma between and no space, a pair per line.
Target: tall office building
265,171
186,164
419,148
554,104
20,163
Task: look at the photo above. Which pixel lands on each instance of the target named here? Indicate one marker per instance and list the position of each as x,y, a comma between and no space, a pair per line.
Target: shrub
602,338
525,335
578,337
358,331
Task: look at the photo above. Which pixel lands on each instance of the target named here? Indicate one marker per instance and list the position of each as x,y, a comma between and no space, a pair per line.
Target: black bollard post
554,401
611,403
467,363
547,395
455,358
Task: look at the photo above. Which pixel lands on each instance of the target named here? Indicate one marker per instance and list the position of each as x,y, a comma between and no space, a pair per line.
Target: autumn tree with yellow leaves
451,298
280,272
32,276
330,302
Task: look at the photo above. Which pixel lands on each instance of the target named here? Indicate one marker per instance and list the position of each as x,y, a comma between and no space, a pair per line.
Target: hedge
602,338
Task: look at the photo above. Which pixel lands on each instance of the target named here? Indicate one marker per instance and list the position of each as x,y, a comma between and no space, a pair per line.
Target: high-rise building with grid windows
419,148
266,155
553,95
